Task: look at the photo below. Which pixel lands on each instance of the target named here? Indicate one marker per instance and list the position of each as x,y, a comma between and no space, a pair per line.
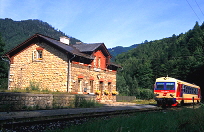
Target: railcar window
196,90
160,86
170,86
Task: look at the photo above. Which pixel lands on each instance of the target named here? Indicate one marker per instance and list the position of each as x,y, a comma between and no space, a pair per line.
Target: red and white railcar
169,91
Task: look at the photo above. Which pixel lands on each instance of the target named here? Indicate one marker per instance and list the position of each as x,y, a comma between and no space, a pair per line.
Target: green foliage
180,56
3,67
34,86
146,94
81,102
3,84
15,32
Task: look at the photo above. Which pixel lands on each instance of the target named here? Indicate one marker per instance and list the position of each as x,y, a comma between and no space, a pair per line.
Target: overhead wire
199,8
193,10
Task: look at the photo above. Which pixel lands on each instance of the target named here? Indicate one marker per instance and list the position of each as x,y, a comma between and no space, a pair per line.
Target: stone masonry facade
87,74
50,72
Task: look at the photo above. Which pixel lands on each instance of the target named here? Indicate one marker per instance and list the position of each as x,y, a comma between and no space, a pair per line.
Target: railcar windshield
159,86
170,86
165,86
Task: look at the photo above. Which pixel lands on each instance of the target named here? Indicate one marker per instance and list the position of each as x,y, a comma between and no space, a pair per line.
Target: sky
114,22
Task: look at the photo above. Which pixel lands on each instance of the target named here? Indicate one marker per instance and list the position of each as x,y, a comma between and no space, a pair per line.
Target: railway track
56,122
60,122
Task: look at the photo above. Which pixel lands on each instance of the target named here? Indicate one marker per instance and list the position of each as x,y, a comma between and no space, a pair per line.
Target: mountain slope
15,32
119,49
178,56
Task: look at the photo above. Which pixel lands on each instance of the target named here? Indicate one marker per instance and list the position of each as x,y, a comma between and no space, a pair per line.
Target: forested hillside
119,49
15,32
181,57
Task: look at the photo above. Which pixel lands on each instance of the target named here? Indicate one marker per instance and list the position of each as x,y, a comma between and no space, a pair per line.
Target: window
169,86
79,85
99,62
37,55
159,86
95,62
165,86
101,86
109,86
91,86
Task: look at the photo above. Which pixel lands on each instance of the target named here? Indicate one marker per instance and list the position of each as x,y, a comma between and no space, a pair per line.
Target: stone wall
50,72
85,73
29,101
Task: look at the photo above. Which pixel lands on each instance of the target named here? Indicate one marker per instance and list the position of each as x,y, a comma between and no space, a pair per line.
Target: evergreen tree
181,57
3,67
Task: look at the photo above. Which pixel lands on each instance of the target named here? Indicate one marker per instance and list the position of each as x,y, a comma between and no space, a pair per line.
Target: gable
38,38
91,48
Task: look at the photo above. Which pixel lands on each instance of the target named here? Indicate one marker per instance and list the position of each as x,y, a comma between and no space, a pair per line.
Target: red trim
80,76
101,80
109,80
91,78
198,93
74,62
165,91
175,104
39,48
178,93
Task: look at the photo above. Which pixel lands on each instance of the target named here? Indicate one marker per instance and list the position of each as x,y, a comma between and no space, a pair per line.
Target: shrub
146,94
3,84
81,102
34,86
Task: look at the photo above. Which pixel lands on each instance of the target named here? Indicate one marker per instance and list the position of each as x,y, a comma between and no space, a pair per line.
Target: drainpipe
69,74
8,69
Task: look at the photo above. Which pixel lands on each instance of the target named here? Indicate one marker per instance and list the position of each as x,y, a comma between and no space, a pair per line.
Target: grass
186,120
144,101
81,102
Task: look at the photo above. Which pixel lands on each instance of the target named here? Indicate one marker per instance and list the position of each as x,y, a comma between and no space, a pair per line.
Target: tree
3,69
179,56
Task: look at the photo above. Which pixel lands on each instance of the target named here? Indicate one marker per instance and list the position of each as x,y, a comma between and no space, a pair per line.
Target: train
170,91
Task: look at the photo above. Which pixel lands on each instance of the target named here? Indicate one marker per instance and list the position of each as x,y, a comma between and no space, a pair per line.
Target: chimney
64,40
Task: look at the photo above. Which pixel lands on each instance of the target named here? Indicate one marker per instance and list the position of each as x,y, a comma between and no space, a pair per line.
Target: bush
81,102
145,94
34,86
3,84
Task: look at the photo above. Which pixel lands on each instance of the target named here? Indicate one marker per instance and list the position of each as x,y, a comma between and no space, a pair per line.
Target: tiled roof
113,64
77,49
68,48
83,47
